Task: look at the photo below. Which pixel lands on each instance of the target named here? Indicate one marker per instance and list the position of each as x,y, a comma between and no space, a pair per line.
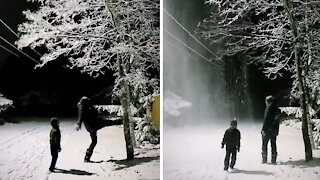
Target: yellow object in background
155,111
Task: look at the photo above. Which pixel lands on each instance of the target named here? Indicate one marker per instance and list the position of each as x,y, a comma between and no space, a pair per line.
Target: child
232,140
55,137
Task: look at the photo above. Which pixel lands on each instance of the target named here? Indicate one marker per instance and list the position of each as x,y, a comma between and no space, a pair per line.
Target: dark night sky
10,13
51,90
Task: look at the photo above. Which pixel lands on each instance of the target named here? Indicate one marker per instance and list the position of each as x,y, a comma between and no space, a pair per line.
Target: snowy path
25,154
195,153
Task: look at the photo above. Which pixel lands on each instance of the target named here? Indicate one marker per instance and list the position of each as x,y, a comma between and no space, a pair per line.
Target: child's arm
59,140
55,138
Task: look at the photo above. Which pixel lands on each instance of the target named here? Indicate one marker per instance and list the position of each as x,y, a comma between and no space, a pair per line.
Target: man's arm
277,120
224,139
238,143
80,117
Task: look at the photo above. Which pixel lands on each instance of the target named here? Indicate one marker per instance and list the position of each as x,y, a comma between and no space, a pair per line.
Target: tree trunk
125,100
305,78
130,99
305,130
133,138
303,105
297,49
126,120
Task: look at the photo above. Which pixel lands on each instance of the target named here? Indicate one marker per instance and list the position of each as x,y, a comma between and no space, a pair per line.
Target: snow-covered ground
195,153
25,154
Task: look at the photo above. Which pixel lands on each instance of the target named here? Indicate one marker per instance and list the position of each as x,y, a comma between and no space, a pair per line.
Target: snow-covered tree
147,131
97,36
5,103
317,132
280,35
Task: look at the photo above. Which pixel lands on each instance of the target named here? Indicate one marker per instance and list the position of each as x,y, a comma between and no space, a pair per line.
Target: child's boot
264,158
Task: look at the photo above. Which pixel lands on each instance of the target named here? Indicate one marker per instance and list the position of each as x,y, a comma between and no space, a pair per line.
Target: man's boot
274,159
88,156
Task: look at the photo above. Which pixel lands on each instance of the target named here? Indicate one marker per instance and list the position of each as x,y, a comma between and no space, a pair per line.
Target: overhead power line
176,21
194,51
12,31
9,51
8,28
179,49
31,58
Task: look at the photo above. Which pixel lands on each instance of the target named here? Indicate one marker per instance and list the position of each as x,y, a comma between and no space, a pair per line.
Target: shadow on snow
302,163
251,172
95,161
129,163
74,172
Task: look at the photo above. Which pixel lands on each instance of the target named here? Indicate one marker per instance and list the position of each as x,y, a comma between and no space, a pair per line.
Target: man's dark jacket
89,116
271,123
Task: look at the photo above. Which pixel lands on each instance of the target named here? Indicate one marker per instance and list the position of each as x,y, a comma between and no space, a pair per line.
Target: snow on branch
296,111
262,30
69,28
114,109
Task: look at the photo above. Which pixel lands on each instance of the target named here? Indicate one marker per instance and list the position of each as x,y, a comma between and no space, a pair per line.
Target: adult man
88,115
270,129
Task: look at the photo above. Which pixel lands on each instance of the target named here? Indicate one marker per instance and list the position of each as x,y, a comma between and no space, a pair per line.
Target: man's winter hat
84,98
269,99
